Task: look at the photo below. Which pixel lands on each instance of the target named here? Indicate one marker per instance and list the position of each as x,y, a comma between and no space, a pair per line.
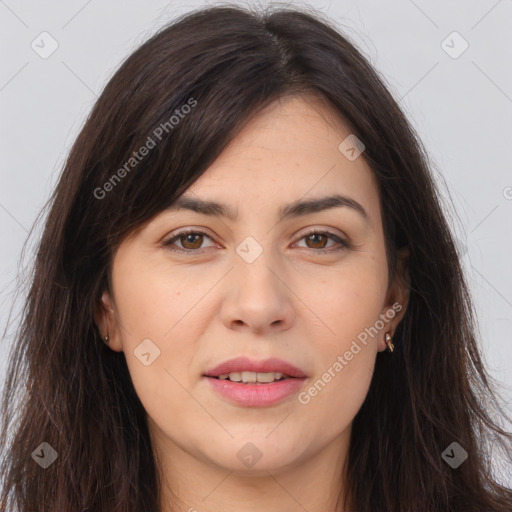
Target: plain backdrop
455,88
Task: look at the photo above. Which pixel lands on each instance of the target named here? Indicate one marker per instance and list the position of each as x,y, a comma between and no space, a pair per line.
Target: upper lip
244,364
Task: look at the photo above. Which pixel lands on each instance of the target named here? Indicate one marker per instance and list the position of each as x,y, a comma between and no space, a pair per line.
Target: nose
258,299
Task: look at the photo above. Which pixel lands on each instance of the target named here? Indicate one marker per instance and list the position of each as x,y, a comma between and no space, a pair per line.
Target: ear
107,323
397,298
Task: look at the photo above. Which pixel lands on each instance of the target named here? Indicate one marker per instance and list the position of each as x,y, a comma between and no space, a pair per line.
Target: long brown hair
66,388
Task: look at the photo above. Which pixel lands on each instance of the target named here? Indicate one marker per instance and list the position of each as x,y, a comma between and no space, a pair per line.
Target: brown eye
189,241
315,239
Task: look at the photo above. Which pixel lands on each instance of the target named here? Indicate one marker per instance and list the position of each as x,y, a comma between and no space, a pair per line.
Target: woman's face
258,285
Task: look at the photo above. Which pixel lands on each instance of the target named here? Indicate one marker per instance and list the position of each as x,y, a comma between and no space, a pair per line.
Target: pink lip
241,364
256,395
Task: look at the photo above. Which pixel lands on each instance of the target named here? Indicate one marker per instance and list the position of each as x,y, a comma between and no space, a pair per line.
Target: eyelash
345,245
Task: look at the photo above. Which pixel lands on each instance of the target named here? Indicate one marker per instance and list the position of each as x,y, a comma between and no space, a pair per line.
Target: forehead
291,150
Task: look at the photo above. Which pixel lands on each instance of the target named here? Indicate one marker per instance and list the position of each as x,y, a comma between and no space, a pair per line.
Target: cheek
348,301
349,307
153,299
340,383
153,314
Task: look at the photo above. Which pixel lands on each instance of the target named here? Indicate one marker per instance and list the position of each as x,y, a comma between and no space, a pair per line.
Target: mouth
255,383
253,377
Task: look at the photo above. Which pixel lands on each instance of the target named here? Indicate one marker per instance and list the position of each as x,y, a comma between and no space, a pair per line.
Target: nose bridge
258,298
255,258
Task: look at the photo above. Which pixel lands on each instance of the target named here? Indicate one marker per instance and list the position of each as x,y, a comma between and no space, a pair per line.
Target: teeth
251,377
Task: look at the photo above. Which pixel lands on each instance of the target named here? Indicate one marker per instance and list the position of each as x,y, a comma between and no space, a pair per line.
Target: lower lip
256,395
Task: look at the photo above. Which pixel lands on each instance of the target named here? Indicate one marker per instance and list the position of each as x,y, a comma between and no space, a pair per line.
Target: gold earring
389,343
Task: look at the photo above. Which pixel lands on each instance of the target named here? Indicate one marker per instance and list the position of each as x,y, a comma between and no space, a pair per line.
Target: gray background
461,107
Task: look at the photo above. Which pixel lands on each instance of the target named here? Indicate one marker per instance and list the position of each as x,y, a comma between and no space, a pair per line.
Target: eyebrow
295,209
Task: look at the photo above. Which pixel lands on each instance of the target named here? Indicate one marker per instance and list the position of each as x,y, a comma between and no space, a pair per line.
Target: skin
293,302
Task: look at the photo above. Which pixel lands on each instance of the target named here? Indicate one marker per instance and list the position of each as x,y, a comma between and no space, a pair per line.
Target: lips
244,364
255,394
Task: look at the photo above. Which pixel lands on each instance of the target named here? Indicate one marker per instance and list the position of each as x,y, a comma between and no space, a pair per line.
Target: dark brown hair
66,388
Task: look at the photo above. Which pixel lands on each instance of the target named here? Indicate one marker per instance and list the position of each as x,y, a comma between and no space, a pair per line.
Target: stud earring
389,343
106,338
